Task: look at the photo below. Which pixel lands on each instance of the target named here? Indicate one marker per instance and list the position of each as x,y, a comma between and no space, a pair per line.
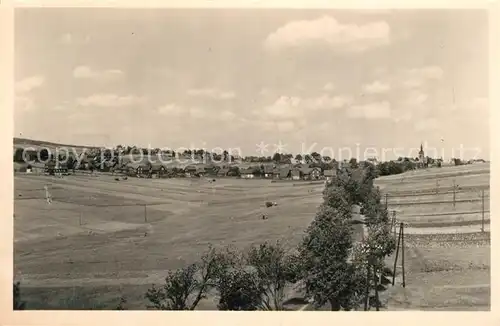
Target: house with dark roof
310,173
194,170
285,173
295,174
56,168
136,169
267,171
157,169
329,174
247,173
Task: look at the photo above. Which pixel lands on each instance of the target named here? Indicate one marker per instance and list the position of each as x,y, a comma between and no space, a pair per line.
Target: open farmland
102,238
447,257
105,238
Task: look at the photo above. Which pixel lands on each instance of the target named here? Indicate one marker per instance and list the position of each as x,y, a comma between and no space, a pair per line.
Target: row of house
289,173
158,170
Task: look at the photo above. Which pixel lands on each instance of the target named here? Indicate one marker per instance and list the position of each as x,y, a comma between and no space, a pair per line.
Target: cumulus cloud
377,87
85,72
28,84
211,93
417,77
325,102
412,105
285,106
296,107
375,110
109,100
171,109
327,30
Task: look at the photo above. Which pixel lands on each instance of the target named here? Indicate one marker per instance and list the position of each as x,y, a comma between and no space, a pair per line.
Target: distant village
199,163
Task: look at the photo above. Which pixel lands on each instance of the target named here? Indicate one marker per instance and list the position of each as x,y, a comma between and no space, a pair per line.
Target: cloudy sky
236,78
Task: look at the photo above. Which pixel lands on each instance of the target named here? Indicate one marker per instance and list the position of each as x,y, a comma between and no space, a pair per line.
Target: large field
102,238
139,228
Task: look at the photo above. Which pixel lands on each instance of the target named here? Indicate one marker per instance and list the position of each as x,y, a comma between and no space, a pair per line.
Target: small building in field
285,173
190,171
295,174
329,174
56,168
247,173
310,173
158,169
135,169
276,173
268,172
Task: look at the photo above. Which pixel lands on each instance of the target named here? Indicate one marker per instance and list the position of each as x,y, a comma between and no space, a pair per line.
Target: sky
338,82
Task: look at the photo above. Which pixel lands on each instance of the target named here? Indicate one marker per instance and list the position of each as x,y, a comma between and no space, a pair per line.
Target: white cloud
327,30
426,124
376,87
413,106
109,100
285,106
326,102
415,100
171,109
329,87
376,110
293,107
211,93
29,84
419,76
85,72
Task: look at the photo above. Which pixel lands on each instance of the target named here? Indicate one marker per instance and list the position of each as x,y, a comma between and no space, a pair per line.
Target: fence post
80,218
396,258
482,214
394,223
145,213
386,196
454,190
403,252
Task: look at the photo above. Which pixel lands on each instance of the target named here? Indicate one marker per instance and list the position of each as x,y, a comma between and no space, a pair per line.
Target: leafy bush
186,287
275,269
239,290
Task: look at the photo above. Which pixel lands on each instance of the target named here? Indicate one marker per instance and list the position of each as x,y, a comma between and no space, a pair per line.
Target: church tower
421,157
